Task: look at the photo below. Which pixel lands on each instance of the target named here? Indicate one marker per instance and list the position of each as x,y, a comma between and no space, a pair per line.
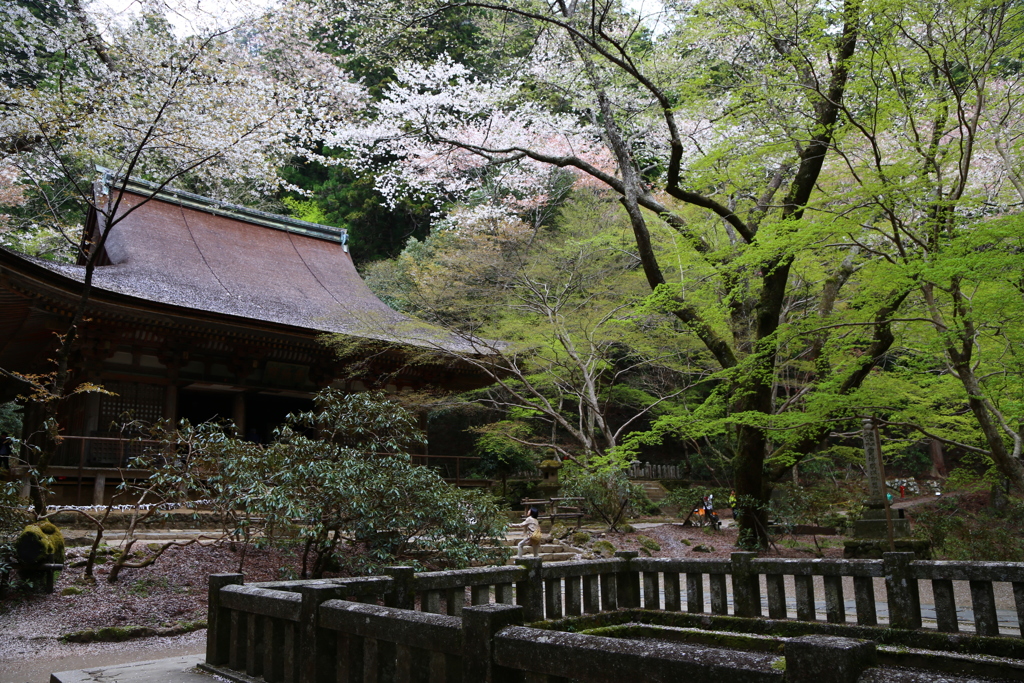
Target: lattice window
144,402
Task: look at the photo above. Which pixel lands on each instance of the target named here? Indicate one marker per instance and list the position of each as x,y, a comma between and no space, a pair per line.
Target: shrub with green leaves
13,518
963,534
501,452
814,505
10,418
607,493
687,499
343,473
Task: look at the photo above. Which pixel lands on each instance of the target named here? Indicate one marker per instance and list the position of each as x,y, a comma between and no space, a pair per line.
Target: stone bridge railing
467,624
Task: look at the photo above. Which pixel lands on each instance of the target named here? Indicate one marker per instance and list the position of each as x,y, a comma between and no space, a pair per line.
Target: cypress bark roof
184,250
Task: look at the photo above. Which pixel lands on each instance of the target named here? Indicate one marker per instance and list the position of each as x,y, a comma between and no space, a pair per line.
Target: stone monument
873,523
871,531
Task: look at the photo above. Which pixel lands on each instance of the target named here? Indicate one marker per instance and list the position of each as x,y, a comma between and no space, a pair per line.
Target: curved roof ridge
221,208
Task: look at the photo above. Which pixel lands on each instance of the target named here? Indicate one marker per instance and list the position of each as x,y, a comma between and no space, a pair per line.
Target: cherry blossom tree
677,124
219,109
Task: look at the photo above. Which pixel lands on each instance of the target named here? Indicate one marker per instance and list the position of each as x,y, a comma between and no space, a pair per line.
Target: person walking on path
531,532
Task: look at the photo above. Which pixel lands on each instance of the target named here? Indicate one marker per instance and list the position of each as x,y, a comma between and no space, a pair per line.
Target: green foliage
973,474
10,418
604,548
582,361
307,210
42,241
608,495
13,517
648,545
501,451
687,499
813,505
343,470
959,528
342,199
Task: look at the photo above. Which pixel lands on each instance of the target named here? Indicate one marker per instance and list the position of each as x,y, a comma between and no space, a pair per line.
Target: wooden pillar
171,402
238,413
98,487
173,362
92,414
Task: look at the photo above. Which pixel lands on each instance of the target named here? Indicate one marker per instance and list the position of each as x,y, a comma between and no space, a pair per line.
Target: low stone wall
471,624
489,643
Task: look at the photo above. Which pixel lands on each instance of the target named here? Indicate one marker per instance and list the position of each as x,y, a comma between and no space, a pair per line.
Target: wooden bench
554,509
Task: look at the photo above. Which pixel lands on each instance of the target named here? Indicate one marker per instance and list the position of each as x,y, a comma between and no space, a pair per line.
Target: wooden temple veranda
199,310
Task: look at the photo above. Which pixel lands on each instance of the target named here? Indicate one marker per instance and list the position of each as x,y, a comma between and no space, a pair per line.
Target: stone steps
545,557
654,490
549,551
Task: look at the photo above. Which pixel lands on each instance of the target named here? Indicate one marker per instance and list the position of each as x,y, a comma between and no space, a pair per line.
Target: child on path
531,532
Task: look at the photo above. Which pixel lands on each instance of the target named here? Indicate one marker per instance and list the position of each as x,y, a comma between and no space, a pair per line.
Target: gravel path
29,665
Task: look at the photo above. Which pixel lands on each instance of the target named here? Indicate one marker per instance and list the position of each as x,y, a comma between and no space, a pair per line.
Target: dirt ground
174,591
703,543
164,596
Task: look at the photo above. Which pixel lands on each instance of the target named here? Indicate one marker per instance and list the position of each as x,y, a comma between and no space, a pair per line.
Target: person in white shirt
531,532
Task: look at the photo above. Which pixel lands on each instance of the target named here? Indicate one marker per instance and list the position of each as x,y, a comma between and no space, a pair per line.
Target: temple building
198,310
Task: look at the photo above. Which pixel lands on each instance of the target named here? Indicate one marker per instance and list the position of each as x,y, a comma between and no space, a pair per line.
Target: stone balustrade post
901,590
746,588
218,619
402,595
813,659
317,662
627,581
530,590
480,623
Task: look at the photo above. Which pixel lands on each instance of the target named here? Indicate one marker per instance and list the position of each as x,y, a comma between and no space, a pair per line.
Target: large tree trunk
753,487
960,353
752,494
1008,462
